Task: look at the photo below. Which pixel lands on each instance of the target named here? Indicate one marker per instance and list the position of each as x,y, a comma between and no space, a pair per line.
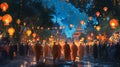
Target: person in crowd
11,52
67,51
46,51
117,52
74,50
111,51
59,51
38,50
55,52
7,49
95,50
26,48
21,49
81,51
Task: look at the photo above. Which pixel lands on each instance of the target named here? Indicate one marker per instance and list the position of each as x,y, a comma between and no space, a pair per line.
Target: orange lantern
113,23
34,35
97,13
7,19
82,22
4,7
98,28
11,31
105,8
28,32
18,21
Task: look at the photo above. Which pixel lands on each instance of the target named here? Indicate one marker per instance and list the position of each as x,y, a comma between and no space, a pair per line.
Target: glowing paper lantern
7,19
11,31
18,21
98,28
28,32
34,35
4,7
97,13
113,23
82,22
105,9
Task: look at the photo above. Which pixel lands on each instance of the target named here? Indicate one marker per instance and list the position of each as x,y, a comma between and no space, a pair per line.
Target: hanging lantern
18,21
28,32
4,7
98,28
34,35
11,31
97,13
7,19
105,8
114,23
82,22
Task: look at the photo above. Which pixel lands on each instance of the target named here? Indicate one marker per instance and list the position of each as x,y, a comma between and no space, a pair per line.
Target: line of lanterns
7,18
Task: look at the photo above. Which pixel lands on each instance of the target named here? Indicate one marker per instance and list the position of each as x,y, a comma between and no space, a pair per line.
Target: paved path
22,61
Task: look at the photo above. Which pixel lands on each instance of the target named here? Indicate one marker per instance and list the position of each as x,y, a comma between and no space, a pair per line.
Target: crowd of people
67,52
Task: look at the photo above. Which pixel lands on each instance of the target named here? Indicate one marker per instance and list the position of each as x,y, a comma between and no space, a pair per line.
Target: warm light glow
34,35
7,19
82,22
18,21
0,17
11,31
97,13
105,9
4,6
28,32
114,23
98,28
71,25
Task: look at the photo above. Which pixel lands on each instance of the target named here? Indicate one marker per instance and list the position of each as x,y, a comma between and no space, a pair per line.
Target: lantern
71,25
113,23
11,31
4,7
24,23
7,19
18,21
28,32
97,13
98,28
34,35
82,22
105,9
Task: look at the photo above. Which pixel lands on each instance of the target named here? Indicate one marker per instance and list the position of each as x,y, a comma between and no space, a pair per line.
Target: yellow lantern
7,19
28,32
98,28
11,31
4,6
113,23
34,35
